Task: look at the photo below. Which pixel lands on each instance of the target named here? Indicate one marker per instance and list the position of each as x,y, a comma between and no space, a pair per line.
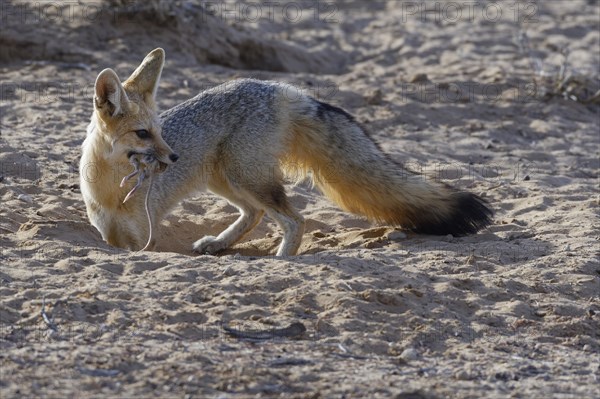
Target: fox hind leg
276,204
254,191
292,224
253,202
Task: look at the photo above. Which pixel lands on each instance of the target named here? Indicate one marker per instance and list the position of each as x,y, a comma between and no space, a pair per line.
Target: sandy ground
511,312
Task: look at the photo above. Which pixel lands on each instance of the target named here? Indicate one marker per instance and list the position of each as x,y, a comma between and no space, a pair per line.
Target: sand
510,312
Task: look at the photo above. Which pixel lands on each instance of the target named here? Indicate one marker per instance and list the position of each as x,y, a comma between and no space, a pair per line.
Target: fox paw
209,245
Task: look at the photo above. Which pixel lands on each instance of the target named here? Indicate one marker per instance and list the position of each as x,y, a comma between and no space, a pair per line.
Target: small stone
371,244
587,347
25,198
396,235
374,98
462,375
409,354
419,78
538,347
474,127
318,234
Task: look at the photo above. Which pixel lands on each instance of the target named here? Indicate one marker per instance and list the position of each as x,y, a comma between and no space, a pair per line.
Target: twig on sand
48,319
294,330
98,372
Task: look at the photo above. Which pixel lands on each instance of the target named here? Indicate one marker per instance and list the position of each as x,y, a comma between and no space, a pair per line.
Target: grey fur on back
247,127
237,117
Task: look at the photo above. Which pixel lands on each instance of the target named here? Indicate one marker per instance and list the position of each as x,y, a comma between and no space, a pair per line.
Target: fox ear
110,97
145,78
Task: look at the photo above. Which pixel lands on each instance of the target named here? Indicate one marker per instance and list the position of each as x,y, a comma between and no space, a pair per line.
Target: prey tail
349,167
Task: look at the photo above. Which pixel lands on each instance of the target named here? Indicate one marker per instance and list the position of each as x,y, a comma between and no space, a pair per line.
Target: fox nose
173,157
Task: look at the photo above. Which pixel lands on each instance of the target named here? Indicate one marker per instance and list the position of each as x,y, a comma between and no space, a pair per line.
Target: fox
240,140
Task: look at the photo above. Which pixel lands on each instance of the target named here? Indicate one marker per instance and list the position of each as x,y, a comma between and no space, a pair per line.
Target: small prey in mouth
143,165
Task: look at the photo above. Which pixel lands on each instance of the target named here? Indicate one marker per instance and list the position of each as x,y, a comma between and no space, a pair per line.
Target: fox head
126,112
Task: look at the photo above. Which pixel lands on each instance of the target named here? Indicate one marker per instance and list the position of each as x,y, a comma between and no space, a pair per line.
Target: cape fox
239,140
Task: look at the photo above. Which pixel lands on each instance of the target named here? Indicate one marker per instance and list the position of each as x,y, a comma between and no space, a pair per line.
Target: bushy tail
348,166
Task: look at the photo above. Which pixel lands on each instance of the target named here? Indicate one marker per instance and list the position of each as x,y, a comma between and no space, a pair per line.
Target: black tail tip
469,214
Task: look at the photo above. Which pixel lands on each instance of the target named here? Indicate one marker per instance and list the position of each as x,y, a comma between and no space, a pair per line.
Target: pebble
409,354
462,375
374,98
396,235
25,198
419,78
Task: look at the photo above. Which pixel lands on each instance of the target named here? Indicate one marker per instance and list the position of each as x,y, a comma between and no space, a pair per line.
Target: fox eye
143,134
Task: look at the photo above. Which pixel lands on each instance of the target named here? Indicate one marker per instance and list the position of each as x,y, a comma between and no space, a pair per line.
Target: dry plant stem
565,83
48,320
294,330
